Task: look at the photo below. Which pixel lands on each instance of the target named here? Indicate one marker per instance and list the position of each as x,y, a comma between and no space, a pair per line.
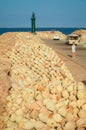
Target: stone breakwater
51,34
42,93
82,34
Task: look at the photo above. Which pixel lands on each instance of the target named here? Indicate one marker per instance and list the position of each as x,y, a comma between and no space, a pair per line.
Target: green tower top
33,16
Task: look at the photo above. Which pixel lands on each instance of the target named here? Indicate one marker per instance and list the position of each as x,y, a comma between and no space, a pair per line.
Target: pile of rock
82,34
4,77
43,93
79,32
7,41
51,34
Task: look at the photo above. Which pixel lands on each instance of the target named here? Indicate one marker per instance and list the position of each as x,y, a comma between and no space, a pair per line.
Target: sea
64,30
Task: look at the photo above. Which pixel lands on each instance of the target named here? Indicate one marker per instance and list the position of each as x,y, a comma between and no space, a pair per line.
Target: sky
49,13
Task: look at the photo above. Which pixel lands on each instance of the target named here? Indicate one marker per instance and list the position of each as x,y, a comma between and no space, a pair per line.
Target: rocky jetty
51,34
82,34
40,92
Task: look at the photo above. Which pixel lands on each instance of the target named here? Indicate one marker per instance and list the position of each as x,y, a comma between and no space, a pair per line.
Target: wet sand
76,66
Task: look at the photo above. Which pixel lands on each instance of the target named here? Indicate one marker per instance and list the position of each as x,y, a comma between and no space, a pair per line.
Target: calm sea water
63,30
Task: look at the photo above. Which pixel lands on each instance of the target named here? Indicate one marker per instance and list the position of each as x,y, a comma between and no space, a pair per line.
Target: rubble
43,93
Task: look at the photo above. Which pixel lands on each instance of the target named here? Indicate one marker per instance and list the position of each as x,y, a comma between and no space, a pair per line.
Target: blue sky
49,13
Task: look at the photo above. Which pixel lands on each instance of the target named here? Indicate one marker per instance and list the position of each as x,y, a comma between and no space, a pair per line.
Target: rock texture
51,34
82,34
41,94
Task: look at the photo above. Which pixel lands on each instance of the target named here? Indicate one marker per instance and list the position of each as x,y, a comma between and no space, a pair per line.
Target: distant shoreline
64,30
